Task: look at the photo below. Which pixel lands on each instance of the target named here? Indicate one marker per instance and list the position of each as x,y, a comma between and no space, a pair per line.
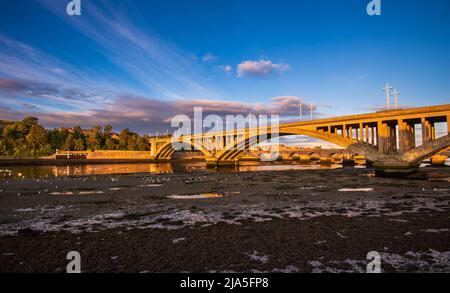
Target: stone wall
112,155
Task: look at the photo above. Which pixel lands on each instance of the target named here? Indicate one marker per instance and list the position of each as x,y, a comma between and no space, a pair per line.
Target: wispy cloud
21,61
209,57
43,90
158,66
26,73
260,68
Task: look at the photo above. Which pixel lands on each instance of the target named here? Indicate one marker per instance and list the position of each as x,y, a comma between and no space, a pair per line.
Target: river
17,172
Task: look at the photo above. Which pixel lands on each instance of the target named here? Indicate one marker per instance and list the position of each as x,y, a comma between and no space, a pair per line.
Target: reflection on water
88,169
256,166
155,168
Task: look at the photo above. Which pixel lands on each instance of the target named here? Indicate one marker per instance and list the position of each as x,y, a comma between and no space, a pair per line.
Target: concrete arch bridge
396,140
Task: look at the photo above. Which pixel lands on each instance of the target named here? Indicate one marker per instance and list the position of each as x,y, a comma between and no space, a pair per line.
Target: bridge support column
448,124
361,133
367,139
387,138
426,131
406,136
374,129
392,129
383,139
153,149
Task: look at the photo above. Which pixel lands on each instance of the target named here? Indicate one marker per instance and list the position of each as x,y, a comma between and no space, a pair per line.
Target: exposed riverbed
286,221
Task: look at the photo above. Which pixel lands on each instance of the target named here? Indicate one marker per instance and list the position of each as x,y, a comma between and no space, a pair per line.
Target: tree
110,144
30,121
94,138
107,129
79,145
123,139
37,139
142,144
69,144
27,138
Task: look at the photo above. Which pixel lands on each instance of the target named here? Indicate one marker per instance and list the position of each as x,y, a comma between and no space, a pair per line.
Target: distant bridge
387,138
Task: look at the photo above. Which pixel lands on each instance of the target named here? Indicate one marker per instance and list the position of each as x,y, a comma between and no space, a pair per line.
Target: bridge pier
407,135
427,129
386,138
448,124
214,163
393,167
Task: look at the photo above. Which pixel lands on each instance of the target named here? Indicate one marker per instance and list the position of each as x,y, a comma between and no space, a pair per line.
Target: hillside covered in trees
28,139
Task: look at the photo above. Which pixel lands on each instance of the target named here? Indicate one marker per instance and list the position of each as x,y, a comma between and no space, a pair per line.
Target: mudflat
287,221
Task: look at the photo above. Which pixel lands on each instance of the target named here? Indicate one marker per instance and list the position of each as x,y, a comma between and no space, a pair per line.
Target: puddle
175,241
356,190
67,193
437,231
196,196
90,192
62,193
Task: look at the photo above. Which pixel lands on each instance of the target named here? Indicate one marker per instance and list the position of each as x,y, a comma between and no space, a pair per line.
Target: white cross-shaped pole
388,95
396,94
301,108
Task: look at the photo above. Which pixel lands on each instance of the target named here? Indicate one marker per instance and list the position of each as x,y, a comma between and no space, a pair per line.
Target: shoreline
54,162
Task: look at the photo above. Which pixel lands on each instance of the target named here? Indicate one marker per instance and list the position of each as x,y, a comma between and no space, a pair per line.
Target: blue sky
137,63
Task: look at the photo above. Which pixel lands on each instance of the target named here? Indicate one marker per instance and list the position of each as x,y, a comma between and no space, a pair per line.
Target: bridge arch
167,151
234,150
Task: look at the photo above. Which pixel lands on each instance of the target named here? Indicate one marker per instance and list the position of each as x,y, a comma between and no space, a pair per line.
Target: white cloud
226,68
261,68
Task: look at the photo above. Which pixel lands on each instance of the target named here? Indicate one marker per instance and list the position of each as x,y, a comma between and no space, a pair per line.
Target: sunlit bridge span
393,140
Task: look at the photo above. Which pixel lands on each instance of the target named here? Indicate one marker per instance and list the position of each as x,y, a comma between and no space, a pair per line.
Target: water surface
17,172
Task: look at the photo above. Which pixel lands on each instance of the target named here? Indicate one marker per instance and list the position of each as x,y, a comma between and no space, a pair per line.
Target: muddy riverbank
287,221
